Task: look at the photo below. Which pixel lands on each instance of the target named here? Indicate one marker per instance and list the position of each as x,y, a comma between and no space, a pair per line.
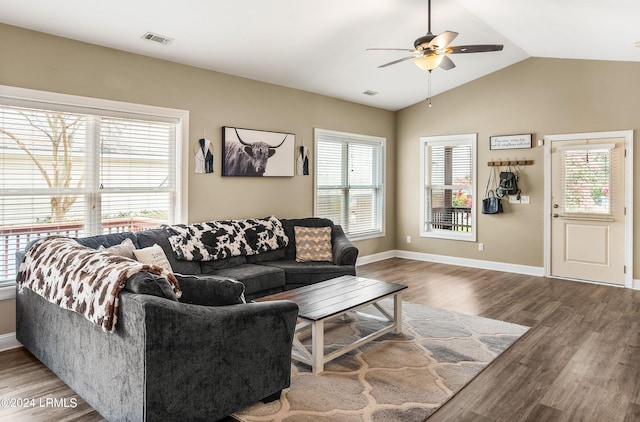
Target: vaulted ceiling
320,46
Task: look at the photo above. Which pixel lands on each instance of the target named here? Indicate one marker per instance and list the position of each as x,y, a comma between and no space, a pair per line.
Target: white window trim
471,138
318,132
7,292
54,98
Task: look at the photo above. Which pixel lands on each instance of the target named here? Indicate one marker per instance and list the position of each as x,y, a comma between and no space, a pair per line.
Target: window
448,187
81,170
350,182
586,179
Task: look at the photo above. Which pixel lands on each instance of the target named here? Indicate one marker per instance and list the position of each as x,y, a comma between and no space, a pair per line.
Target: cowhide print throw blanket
82,279
226,238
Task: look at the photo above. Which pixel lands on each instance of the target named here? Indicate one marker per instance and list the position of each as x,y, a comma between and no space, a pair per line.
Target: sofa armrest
213,360
344,253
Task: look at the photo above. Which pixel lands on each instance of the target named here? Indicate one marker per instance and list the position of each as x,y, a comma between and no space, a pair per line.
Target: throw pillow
153,255
210,290
150,284
125,249
313,244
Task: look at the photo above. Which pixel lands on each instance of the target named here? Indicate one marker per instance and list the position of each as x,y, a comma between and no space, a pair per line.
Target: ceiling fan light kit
429,63
431,51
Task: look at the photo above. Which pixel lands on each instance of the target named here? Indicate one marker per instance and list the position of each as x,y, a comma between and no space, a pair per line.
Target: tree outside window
73,172
49,140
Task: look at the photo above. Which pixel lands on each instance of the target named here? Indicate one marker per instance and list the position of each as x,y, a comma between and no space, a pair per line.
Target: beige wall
539,96
39,61
7,316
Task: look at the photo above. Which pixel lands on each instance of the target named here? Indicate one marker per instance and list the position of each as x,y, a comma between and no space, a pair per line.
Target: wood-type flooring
579,362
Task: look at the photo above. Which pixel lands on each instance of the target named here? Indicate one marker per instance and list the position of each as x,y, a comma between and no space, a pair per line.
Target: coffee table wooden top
327,298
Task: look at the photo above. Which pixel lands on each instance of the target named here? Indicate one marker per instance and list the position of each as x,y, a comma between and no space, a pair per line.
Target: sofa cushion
148,238
124,249
107,240
210,267
150,284
153,255
266,256
208,290
313,244
298,274
255,278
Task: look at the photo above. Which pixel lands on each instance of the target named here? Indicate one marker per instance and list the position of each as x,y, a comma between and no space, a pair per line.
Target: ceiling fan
431,51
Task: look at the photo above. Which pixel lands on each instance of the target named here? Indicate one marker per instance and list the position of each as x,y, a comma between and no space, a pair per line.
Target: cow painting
249,152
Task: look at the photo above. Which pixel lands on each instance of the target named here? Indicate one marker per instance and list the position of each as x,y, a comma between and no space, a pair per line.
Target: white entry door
588,210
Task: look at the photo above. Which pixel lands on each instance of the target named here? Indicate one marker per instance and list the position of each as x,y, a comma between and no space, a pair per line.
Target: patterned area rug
398,377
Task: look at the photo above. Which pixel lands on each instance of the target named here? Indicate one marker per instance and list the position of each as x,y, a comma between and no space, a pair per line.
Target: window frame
346,138
23,97
470,139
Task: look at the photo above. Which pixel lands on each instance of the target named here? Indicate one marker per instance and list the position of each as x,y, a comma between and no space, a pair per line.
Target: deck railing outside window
15,238
451,218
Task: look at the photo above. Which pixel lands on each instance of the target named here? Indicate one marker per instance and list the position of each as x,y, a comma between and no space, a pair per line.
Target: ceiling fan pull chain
429,89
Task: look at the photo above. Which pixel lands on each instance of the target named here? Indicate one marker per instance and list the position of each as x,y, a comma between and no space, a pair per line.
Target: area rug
398,377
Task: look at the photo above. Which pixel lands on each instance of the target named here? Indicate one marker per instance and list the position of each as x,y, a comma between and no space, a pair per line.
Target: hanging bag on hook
508,184
491,204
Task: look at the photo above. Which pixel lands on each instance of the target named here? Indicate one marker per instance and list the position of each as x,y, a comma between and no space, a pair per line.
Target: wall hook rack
510,163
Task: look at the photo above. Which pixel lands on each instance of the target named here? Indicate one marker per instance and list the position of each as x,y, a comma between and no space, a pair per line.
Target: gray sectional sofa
199,358
264,273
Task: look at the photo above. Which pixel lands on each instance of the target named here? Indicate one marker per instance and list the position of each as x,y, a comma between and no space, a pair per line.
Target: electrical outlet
513,199
481,247
408,239
524,199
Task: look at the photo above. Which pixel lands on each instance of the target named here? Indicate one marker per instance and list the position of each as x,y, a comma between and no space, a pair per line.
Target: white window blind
448,187
586,180
349,181
82,173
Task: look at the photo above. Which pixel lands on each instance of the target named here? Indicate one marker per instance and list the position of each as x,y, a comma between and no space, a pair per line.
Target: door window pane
586,175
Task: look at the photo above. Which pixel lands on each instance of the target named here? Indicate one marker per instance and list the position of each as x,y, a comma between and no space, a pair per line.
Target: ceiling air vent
157,38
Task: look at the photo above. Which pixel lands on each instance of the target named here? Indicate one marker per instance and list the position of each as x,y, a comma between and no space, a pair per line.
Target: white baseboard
8,341
463,262
473,263
375,257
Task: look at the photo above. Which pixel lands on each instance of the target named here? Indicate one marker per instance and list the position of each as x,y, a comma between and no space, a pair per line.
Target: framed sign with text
510,141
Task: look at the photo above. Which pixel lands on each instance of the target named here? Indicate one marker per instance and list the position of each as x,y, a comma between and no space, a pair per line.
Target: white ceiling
320,46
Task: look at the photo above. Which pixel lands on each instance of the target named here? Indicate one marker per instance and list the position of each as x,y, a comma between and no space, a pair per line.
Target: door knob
555,216
555,205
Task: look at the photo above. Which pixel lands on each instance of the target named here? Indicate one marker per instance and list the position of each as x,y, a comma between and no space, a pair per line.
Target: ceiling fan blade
390,49
404,59
442,40
447,63
478,48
